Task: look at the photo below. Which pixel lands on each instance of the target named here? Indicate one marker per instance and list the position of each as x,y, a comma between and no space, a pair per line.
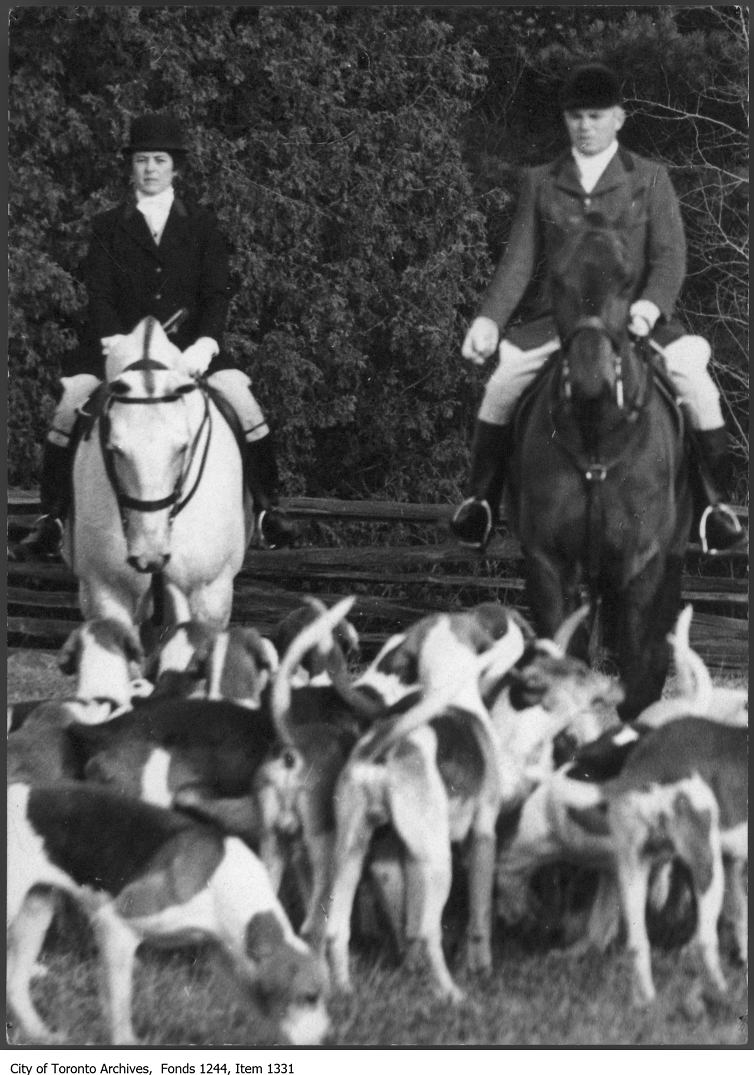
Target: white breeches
233,384
236,387
686,357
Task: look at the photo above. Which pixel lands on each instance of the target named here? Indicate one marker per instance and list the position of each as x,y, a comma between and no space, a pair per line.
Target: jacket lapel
566,174
175,226
134,224
615,175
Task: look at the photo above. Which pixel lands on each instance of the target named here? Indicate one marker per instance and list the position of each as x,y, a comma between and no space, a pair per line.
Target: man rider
597,175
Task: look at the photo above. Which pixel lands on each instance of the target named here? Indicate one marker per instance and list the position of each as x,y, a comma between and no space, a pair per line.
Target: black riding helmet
591,85
154,132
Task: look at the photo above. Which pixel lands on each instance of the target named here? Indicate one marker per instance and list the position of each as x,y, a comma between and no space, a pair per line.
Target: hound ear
264,936
68,658
132,646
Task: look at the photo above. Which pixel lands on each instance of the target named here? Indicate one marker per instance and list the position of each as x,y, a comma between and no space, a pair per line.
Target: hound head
289,982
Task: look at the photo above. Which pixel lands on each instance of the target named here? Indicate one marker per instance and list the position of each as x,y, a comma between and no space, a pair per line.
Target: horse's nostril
148,567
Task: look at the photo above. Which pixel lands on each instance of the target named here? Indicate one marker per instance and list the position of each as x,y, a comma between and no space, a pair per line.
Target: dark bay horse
599,482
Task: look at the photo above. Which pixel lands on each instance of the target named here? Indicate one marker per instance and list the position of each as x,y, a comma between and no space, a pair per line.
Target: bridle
175,500
617,344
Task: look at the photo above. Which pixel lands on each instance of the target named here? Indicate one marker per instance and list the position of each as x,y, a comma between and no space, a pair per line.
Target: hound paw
478,958
452,994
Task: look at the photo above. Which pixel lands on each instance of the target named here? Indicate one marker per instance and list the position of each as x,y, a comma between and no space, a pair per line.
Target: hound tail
318,633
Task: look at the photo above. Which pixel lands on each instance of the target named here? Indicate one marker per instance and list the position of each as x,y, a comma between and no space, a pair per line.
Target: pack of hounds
229,784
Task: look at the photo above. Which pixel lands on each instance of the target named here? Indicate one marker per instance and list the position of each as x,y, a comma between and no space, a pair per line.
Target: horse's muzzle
148,565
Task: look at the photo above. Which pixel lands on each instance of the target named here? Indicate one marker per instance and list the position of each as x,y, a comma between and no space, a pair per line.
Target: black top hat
590,85
155,132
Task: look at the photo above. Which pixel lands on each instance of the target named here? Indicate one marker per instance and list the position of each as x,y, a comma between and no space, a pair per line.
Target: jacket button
158,295
158,269
587,202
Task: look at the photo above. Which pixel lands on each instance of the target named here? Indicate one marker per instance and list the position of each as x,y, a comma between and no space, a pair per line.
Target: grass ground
536,996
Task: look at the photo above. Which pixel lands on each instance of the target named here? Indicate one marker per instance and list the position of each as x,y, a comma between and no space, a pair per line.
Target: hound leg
321,850
633,883
739,907
25,939
419,810
709,906
604,917
428,883
481,884
354,828
117,944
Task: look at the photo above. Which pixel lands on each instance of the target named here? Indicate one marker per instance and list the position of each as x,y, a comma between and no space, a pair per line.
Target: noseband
597,324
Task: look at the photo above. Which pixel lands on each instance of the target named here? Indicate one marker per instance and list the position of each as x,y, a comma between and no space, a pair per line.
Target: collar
163,200
130,206
596,164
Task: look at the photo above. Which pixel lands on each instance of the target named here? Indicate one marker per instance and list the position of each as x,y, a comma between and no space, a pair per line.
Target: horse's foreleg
211,604
101,600
551,592
647,614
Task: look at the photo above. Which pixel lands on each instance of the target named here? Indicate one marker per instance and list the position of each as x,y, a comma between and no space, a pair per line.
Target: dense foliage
363,163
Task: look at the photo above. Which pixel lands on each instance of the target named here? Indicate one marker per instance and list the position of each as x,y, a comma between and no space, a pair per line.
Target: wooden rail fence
394,583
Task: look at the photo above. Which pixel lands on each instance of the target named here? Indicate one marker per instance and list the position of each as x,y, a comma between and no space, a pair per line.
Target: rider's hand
197,356
481,340
643,314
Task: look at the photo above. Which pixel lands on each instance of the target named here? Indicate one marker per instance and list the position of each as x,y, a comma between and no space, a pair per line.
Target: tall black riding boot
475,519
720,531
275,528
55,491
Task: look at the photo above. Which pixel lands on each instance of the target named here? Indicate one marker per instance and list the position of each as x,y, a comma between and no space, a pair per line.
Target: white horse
158,491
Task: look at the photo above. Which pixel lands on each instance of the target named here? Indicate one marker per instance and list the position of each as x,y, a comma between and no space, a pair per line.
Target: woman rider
156,254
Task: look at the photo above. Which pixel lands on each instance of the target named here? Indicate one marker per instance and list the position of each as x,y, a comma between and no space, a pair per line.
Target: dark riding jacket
128,277
633,193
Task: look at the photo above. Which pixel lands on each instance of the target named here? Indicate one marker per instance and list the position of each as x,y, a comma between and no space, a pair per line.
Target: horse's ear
119,388
184,389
